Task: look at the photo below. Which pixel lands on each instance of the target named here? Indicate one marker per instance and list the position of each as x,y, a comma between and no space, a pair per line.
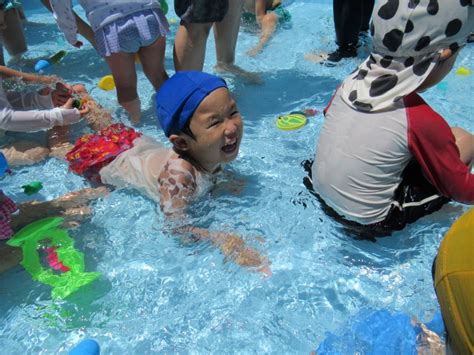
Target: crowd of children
384,158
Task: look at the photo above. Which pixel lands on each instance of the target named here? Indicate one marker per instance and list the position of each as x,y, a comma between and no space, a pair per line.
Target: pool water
160,294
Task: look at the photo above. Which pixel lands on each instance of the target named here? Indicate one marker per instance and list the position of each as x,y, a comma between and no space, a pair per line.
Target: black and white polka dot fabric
408,36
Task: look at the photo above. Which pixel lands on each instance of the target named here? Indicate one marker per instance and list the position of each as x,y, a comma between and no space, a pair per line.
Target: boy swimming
267,14
202,122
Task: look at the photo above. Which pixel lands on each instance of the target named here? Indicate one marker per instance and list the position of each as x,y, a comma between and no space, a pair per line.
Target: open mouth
230,147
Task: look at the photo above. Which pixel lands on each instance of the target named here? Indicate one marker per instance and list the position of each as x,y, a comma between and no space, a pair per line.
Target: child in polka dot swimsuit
384,157
121,29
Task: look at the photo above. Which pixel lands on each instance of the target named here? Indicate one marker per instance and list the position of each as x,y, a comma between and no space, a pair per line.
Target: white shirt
40,115
98,12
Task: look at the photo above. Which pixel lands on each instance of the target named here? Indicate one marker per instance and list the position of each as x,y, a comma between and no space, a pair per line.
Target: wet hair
186,130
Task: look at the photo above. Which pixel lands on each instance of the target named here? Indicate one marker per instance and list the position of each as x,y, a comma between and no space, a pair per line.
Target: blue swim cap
180,96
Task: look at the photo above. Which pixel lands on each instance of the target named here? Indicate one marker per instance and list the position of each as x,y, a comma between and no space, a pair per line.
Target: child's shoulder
178,171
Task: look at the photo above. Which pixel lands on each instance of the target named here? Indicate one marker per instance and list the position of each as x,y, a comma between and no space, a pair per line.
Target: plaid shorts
128,34
7,207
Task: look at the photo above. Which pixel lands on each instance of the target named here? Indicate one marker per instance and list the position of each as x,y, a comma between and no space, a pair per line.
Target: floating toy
292,121
45,235
310,112
86,347
463,71
164,6
136,58
4,169
107,83
32,188
172,21
379,332
78,103
454,281
43,64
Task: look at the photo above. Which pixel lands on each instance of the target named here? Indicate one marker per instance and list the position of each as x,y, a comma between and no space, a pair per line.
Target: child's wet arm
177,187
232,246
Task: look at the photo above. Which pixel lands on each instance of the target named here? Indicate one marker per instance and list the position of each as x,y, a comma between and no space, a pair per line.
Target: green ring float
47,232
292,121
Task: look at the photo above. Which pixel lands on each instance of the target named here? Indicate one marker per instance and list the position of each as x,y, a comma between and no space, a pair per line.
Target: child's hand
253,52
61,95
84,110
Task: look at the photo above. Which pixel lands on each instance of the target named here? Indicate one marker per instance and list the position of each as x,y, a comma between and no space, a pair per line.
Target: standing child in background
267,14
11,30
197,19
122,29
202,122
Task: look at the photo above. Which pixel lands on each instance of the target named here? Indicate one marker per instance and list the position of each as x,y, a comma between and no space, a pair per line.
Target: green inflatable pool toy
292,121
46,234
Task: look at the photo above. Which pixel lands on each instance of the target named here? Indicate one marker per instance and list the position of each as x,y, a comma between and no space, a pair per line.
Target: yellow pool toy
136,57
463,71
454,283
107,83
172,21
293,120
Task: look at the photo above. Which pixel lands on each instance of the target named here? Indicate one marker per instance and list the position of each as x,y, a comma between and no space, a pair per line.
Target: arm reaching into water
267,22
79,25
177,187
6,72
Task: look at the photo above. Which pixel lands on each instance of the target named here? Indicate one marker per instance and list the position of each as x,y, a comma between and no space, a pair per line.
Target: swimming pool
158,294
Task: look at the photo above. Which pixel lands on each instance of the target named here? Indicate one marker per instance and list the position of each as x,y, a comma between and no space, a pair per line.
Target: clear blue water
160,295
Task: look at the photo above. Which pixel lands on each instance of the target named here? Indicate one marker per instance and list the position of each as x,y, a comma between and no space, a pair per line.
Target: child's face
217,127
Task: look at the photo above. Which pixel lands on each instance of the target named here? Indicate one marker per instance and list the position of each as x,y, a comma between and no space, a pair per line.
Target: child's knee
199,30
460,133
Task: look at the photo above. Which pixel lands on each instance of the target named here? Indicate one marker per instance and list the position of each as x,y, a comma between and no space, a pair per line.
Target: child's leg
58,141
13,36
465,143
226,33
70,206
190,46
152,58
268,27
24,153
122,66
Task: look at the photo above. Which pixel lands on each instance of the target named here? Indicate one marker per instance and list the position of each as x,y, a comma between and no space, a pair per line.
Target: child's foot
252,52
133,108
249,77
60,151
